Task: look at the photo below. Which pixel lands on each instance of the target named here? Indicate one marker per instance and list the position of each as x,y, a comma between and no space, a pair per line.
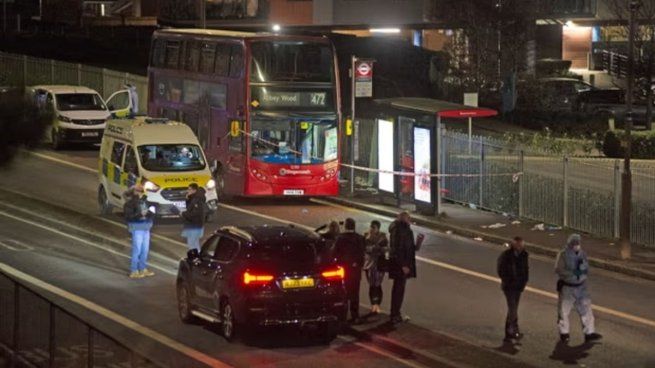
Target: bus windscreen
294,142
291,61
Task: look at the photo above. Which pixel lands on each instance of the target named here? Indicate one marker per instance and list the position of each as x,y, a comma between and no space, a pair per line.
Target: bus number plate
294,192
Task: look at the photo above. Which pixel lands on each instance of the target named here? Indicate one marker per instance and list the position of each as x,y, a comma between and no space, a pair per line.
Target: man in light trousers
572,268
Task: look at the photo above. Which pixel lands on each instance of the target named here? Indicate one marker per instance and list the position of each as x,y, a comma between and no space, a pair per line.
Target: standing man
139,222
402,260
194,216
349,251
572,268
513,271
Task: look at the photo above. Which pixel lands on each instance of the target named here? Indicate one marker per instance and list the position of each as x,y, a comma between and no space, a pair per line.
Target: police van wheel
103,202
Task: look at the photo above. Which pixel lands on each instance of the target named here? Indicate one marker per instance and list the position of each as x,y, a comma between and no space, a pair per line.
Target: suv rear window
294,252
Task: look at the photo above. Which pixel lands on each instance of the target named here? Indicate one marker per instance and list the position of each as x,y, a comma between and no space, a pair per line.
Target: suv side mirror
193,254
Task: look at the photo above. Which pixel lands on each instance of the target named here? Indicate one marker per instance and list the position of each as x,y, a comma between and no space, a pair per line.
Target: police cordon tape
515,176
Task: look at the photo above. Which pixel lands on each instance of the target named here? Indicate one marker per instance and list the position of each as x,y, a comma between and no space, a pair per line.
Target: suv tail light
256,278
337,273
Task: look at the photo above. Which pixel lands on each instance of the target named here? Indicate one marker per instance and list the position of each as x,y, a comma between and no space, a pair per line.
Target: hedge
643,144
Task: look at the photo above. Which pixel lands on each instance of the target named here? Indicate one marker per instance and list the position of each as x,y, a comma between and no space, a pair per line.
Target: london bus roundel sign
363,69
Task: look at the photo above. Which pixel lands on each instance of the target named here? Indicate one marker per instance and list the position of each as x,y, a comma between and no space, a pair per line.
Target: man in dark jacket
349,251
139,219
194,216
402,261
513,271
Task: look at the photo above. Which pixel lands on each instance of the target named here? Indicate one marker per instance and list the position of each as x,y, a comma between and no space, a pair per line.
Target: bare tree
644,45
490,40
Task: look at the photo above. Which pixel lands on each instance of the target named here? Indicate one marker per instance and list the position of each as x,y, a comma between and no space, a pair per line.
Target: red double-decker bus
264,106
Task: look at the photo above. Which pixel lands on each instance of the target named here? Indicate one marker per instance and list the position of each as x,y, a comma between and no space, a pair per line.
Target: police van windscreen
171,157
79,101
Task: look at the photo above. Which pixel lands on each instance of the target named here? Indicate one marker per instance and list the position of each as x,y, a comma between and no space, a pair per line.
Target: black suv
262,276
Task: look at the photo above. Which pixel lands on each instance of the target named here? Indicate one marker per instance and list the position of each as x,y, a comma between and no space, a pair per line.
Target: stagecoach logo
294,172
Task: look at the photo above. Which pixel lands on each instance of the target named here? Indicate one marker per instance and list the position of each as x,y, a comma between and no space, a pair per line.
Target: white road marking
118,241
115,317
16,247
612,312
352,340
81,240
63,162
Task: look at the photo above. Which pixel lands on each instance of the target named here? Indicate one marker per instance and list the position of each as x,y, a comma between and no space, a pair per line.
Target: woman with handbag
375,265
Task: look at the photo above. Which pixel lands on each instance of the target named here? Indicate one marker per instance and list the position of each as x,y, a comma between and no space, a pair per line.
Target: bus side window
207,56
192,56
236,61
172,54
158,58
236,143
222,59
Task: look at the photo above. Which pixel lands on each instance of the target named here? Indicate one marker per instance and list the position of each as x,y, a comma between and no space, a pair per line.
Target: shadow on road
275,338
570,354
508,347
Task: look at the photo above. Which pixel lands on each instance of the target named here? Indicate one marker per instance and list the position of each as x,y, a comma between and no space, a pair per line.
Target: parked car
79,113
555,94
248,277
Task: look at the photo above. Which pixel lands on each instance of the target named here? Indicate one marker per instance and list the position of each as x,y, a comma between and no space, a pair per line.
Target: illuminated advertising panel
385,155
422,167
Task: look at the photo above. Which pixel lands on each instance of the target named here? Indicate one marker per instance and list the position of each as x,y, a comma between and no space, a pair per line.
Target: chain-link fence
35,332
22,70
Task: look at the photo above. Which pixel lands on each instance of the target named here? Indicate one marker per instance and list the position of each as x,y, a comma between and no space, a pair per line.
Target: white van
79,113
164,154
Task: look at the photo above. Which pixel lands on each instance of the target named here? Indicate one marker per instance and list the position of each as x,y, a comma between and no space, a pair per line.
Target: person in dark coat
402,260
194,216
377,251
513,271
349,251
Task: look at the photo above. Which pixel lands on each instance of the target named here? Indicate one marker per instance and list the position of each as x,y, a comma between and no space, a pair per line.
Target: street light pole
626,182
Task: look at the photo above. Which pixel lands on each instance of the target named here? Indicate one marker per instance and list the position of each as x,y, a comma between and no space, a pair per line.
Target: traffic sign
363,78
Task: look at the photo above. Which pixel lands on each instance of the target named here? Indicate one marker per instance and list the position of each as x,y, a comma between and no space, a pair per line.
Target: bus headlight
150,186
211,184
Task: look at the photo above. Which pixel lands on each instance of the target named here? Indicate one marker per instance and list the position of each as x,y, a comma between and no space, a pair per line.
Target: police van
163,155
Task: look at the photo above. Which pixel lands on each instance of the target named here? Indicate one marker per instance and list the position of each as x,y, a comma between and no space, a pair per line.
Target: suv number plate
294,192
297,283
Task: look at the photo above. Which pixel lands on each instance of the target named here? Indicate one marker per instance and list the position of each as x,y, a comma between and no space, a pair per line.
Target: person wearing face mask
572,268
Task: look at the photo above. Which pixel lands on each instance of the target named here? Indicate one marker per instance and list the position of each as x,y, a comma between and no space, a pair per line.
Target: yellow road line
115,317
81,240
627,316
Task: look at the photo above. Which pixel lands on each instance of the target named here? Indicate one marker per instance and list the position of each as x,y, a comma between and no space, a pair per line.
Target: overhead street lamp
626,183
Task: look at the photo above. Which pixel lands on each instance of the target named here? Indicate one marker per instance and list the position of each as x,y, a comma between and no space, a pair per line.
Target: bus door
235,165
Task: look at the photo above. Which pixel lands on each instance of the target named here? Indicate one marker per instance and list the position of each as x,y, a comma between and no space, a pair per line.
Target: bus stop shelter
409,146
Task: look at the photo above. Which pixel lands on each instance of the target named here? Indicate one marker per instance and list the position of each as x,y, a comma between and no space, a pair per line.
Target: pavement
48,205
497,228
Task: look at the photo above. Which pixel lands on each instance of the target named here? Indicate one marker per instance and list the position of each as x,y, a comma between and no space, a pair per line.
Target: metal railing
36,332
22,70
575,192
